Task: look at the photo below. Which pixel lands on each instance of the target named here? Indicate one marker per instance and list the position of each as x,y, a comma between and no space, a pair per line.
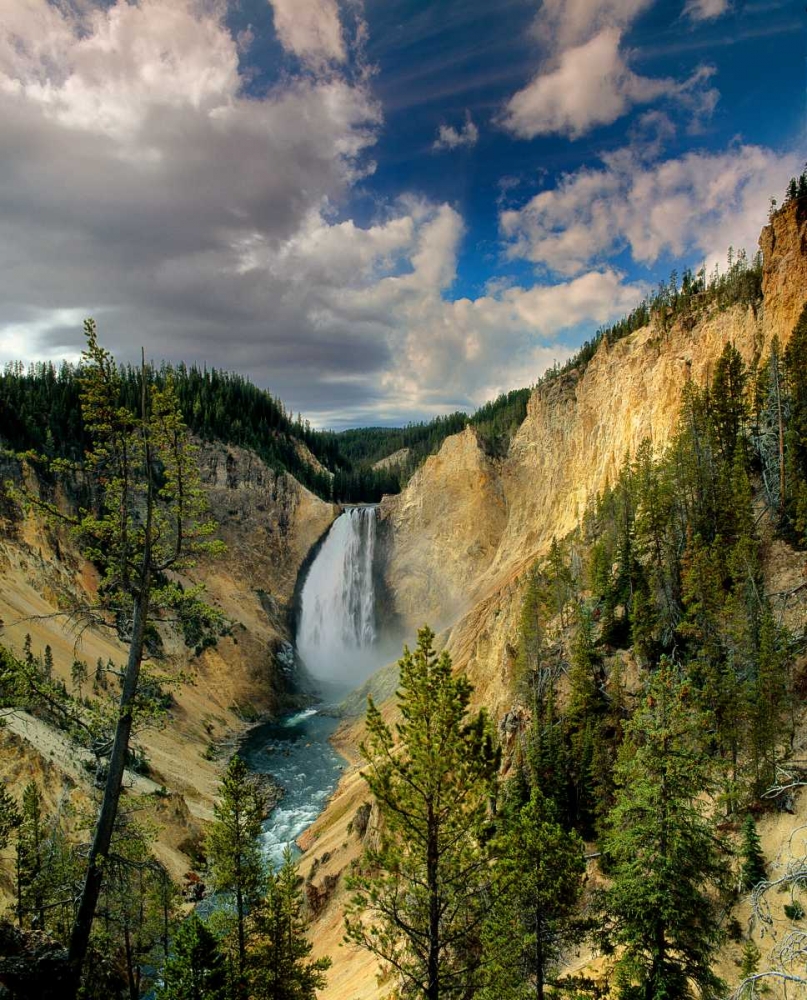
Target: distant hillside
40,411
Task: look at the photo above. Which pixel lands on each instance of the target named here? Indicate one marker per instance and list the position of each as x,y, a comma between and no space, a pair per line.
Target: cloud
449,137
310,29
562,24
705,10
140,184
593,85
585,79
698,204
386,285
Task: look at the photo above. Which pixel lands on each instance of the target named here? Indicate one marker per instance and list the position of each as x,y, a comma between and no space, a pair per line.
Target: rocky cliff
460,536
466,523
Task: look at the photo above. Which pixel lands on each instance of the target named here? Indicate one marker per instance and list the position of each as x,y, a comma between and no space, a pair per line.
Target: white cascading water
336,632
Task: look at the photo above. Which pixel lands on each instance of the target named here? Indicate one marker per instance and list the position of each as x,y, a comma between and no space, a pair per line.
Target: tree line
41,411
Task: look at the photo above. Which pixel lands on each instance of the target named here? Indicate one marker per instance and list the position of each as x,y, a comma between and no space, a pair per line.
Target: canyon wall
467,526
269,523
467,523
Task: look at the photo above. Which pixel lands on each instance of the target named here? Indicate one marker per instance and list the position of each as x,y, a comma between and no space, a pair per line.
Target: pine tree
279,963
148,522
78,675
753,867
30,851
531,637
729,404
419,897
10,817
549,760
662,853
654,504
195,969
47,664
768,701
749,966
233,849
796,461
538,879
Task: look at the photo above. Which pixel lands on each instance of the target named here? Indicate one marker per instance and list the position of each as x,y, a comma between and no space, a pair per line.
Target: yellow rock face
462,533
467,524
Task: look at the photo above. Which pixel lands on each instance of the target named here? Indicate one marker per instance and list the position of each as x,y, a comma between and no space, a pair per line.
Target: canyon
451,550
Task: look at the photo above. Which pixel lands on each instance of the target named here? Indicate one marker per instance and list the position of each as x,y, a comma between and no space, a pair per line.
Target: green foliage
195,969
10,817
41,412
537,884
145,517
663,856
30,859
137,905
753,860
278,962
419,896
233,848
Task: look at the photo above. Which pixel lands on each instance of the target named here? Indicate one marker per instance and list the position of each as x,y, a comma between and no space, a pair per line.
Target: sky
380,210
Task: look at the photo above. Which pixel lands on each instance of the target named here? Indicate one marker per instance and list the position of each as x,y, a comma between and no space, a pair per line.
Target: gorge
455,549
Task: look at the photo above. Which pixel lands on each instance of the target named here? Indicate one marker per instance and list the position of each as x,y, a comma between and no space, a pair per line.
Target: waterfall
336,633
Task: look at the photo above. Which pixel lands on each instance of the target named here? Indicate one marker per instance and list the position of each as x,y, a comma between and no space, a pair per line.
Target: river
296,752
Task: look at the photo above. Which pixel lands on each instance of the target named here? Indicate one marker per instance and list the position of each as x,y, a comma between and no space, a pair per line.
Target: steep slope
466,522
460,536
269,523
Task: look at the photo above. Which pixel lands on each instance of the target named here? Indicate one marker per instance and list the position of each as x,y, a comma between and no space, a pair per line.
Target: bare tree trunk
433,967
99,851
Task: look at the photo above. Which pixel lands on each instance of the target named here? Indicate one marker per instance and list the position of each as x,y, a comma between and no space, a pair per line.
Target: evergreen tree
30,852
749,966
195,969
279,963
549,760
419,897
728,400
753,867
654,502
233,850
796,437
538,879
531,638
10,817
78,675
149,521
47,664
662,853
768,702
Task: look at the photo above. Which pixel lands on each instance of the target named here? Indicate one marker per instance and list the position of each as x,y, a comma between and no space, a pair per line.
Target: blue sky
380,210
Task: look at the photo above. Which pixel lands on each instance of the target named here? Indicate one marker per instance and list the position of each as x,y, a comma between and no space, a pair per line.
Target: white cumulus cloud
699,203
310,29
593,85
585,79
561,24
